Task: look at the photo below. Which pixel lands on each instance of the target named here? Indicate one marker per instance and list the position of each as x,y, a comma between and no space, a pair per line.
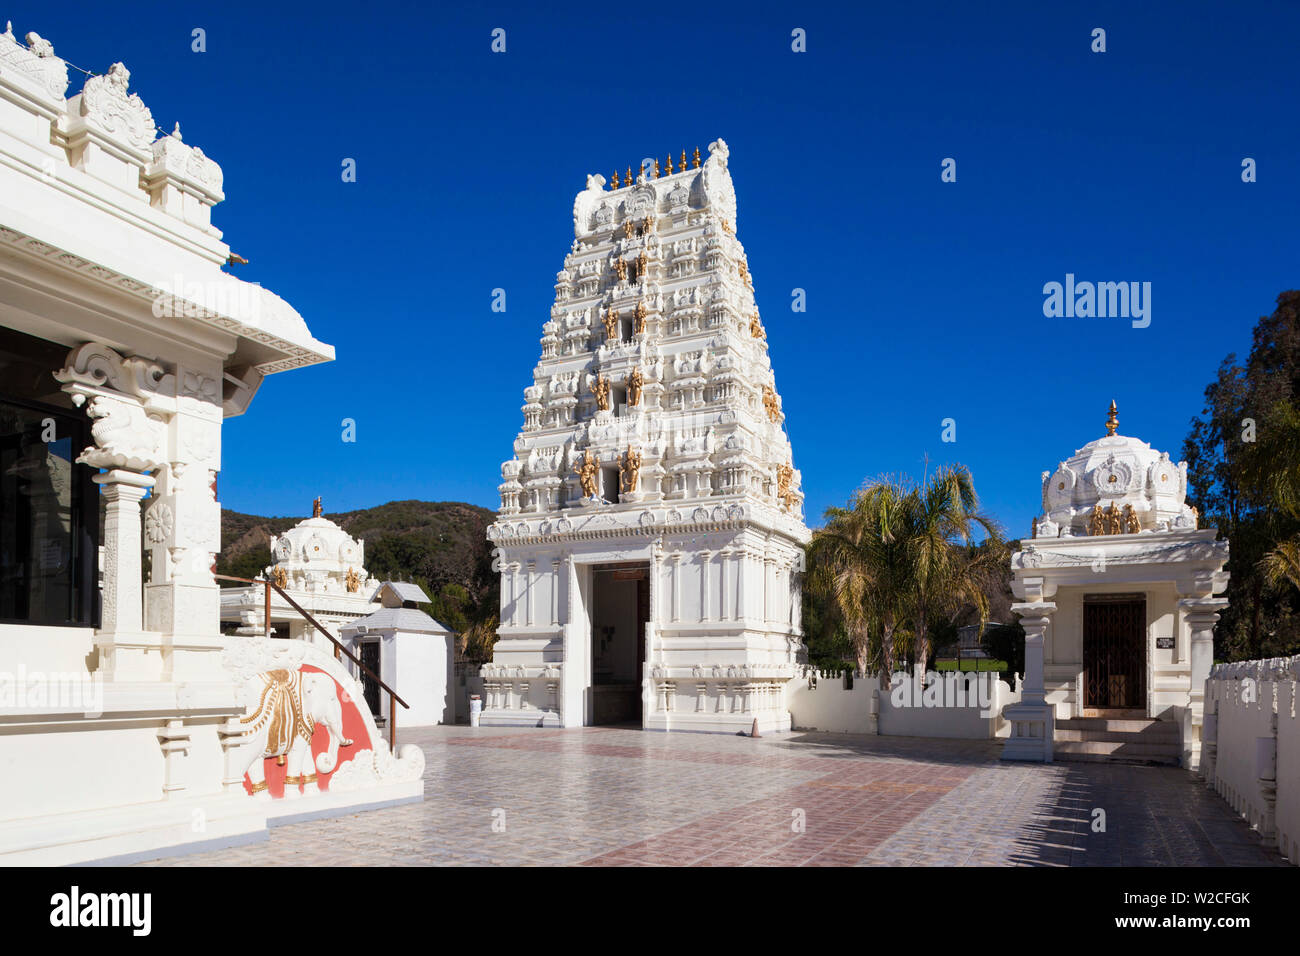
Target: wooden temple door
1115,652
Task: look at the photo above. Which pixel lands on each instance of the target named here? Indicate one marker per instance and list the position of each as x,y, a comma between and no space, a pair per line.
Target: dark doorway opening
620,608
1115,652
369,686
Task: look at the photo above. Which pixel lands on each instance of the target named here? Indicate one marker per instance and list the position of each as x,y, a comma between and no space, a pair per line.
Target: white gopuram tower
651,529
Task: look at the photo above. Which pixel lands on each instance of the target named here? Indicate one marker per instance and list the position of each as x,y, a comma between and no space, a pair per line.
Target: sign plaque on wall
1165,643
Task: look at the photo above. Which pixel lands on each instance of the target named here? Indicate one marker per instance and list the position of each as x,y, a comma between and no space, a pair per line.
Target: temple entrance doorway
1114,655
620,607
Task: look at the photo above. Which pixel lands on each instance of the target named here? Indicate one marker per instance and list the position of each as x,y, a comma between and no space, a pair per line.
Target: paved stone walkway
615,797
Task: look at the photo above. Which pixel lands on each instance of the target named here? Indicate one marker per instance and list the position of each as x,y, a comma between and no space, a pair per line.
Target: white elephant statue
289,706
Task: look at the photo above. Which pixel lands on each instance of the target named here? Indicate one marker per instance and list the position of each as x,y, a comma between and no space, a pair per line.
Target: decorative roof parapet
33,69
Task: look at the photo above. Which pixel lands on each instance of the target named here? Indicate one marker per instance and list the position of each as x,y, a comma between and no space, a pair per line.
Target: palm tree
859,565
1272,471
942,517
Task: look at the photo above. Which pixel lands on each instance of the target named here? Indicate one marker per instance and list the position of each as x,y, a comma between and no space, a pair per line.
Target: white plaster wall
827,705
423,670
1250,707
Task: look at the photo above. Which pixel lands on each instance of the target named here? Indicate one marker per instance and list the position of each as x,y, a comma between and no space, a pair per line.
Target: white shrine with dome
322,568
1117,590
651,528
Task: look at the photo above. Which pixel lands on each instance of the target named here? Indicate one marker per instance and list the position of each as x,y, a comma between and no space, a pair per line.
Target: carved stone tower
651,529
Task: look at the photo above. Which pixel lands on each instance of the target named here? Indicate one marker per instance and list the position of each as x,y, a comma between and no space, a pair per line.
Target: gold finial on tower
683,163
316,507
656,169
697,158
669,163
1112,420
614,181
627,177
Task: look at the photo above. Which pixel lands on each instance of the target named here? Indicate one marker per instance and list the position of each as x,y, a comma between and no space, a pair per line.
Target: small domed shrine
321,566
1117,588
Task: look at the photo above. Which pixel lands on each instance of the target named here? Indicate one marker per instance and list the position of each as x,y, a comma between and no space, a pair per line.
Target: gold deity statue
641,263
352,581
784,476
743,268
634,387
629,469
627,228
621,268
586,470
600,388
1132,524
770,404
1097,521
756,327
610,319
639,326
280,577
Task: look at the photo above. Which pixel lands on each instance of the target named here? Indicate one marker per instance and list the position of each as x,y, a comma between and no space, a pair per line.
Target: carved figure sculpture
352,581
630,469
770,404
639,325
756,327
586,471
784,476
621,268
1097,521
610,319
634,382
1132,525
600,388
289,705
280,577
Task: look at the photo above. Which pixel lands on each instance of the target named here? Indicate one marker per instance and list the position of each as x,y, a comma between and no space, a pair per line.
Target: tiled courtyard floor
609,797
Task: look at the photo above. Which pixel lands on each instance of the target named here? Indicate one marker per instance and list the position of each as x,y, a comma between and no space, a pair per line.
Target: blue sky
924,298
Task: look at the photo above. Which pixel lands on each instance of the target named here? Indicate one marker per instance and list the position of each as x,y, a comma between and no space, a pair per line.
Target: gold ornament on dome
656,169
316,507
697,158
614,181
586,470
1111,520
1112,419
670,164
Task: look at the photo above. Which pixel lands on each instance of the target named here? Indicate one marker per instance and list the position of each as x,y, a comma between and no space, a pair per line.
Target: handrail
392,694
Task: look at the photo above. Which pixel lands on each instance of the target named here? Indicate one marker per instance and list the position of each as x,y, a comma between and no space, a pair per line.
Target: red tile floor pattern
626,797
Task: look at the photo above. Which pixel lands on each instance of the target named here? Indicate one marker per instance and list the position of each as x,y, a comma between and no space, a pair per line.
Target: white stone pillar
1200,613
122,609
705,566
1033,720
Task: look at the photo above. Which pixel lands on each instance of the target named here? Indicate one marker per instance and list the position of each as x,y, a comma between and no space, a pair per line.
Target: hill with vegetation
440,545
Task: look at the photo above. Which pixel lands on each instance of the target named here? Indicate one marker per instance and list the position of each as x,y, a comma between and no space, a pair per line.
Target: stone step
1156,738
1161,728
1115,750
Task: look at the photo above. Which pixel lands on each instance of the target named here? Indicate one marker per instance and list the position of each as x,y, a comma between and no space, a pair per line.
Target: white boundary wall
948,704
1251,746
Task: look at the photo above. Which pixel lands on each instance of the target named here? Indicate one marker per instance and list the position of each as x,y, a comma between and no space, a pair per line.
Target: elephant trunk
327,760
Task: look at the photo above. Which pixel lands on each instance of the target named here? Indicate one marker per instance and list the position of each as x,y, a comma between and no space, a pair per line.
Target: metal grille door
1114,652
